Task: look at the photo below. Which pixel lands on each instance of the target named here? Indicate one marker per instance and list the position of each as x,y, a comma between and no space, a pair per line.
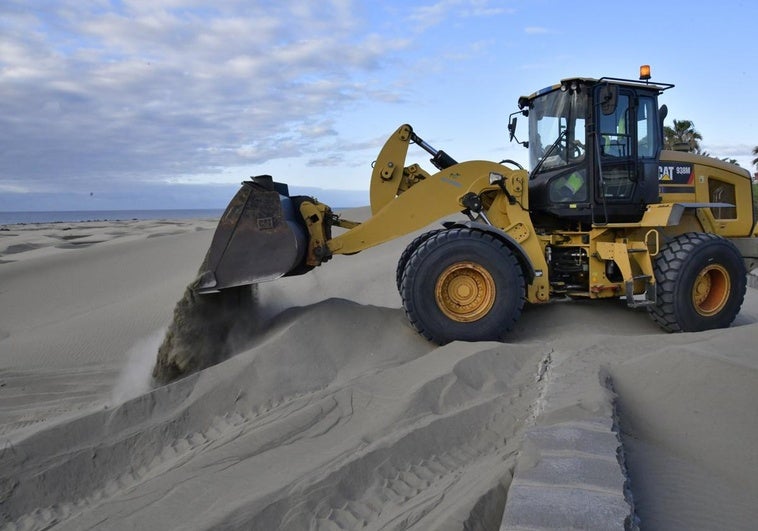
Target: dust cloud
135,378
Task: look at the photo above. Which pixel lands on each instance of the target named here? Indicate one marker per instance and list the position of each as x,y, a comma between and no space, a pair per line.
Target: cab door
627,148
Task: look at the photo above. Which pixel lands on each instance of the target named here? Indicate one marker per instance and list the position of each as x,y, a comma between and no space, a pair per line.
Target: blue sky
171,103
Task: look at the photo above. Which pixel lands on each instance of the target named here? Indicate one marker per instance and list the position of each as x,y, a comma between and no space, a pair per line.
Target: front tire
408,251
463,284
700,283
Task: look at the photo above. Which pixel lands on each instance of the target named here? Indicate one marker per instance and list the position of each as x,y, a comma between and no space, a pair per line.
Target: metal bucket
260,237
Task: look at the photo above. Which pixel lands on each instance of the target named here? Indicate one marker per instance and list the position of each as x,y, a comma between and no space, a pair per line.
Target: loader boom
412,199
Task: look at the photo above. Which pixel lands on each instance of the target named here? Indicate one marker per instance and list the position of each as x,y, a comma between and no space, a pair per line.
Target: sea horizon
77,216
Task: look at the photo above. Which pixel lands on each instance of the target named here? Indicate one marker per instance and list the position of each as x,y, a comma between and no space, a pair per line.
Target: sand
331,412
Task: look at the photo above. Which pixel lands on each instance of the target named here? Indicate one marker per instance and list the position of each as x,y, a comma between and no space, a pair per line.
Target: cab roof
567,82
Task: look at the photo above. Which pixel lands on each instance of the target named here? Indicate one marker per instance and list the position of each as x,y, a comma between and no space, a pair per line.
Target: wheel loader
604,212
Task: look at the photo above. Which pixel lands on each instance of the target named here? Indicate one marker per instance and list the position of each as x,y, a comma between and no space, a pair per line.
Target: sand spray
136,378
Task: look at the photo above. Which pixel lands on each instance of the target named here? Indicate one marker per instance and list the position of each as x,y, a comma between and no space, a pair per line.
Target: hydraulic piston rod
440,159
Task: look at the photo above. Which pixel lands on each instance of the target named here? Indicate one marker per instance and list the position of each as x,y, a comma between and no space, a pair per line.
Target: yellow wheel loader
604,212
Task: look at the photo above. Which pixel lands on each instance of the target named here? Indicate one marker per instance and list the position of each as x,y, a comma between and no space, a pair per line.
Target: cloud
729,150
94,92
158,196
11,188
434,14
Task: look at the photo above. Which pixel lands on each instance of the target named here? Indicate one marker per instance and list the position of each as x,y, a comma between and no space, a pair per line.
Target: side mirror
512,128
608,99
662,113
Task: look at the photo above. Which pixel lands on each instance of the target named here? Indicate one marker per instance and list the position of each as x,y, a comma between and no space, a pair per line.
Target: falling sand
203,330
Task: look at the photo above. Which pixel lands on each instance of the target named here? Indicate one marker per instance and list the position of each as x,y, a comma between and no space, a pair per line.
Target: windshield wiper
550,150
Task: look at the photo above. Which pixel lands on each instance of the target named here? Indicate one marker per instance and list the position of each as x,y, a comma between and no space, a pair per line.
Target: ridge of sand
399,428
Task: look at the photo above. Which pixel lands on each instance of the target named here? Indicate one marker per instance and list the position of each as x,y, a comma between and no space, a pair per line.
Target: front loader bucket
260,237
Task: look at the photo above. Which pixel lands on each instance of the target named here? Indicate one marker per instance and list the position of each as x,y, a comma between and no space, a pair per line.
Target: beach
333,413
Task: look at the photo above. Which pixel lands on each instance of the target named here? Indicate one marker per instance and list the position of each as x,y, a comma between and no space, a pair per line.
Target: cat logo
677,173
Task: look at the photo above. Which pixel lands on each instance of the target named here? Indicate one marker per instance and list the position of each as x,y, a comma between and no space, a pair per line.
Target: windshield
556,130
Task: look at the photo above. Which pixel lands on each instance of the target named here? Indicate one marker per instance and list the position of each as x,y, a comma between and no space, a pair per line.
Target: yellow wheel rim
711,290
465,292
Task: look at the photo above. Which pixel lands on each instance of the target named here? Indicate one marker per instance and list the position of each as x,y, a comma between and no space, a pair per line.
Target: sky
130,104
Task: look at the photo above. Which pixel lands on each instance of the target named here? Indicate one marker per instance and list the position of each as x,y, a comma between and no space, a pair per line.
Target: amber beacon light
645,72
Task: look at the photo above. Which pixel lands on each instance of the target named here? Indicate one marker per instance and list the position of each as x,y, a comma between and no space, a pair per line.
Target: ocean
70,216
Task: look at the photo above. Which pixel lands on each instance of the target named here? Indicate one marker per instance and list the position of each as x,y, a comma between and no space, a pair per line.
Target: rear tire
700,283
463,284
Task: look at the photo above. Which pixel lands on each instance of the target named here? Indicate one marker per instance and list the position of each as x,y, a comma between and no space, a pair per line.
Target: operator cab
593,150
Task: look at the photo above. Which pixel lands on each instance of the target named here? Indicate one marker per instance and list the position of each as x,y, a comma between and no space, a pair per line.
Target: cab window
646,128
615,134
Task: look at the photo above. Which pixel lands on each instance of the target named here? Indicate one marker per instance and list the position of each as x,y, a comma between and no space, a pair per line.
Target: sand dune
337,415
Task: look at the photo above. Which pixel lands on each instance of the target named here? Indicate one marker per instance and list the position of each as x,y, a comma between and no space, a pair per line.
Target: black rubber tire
431,262
403,261
678,267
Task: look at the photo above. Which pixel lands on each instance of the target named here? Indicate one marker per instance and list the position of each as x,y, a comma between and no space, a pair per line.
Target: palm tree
755,160
683,134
